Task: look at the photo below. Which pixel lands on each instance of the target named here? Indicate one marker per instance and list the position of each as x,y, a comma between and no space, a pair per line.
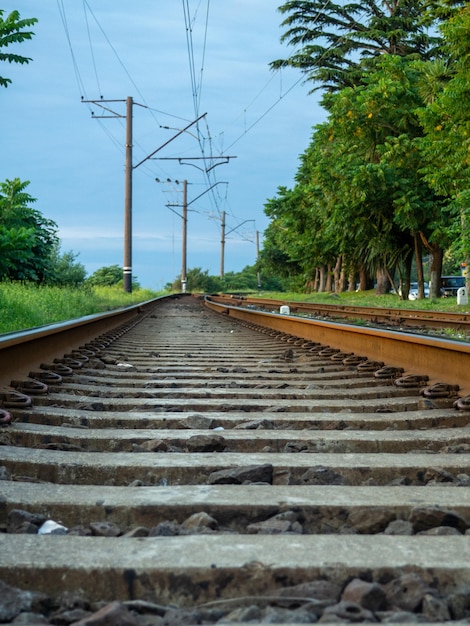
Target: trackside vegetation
385,180
24,306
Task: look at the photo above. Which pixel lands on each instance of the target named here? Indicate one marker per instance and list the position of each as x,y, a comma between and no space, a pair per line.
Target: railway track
199,467
390,317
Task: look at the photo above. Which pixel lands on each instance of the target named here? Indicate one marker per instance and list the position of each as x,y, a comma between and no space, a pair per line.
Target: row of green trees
386,178
248,279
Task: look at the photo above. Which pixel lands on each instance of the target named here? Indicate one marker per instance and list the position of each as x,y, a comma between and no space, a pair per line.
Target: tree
338,42
445,145
63,269
11,32
361,204
197,280
106,276
247,280
27,238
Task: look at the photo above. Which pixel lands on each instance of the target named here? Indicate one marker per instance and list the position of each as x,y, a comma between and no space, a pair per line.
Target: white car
413,293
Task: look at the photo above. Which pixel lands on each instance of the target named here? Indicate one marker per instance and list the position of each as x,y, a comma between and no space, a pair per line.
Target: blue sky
116,49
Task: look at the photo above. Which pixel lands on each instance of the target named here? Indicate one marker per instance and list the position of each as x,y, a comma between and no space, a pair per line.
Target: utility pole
222,246
104,104
224,234
127,265
184,217
108,112
258,277
184,236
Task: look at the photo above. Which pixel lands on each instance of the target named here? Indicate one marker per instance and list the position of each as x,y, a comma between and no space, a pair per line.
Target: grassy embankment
368,298
29,306
389,301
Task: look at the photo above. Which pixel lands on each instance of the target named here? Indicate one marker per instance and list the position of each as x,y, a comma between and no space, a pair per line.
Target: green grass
29,306
368,299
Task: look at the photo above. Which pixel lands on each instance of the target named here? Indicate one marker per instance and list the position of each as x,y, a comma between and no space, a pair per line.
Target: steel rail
388,315
21,351
442,360
199,471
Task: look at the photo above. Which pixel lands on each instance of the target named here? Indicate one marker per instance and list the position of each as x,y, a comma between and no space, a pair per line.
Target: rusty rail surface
24,350
442,360
391,316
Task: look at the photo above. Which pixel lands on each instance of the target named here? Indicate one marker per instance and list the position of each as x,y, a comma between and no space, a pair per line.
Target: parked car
413,293
451,284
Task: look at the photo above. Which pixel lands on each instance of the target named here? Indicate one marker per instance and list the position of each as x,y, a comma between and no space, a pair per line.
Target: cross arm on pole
169,140
241,224
101,104
220,182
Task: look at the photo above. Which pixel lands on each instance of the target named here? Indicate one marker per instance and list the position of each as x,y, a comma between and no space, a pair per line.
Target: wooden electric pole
184,236
108,112
222,246
127,265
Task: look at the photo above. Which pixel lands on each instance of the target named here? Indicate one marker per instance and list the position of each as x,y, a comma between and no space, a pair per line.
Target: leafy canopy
335,42
12,30
27,238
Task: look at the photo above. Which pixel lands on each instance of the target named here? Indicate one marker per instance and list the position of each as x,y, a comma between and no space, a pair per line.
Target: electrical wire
151,110
78,78
281,95
203,57
268,110
196,87
190,50
91,49
205,140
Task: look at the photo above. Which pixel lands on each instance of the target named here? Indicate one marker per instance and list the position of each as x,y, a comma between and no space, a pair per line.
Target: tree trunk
365,281
339,278
419,265
383,283
437,255
329,279
352,281
322,279
342,279
406,278
316,283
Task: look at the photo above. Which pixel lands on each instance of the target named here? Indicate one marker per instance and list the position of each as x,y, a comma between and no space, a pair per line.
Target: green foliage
335,43
198,280
249,279
106,276
358,193
388,174
64,270
27,238
28,305
446,122
11,32
109,276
